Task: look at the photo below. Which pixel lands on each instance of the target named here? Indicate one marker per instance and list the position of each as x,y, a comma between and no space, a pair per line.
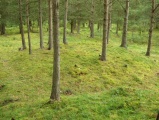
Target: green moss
125,86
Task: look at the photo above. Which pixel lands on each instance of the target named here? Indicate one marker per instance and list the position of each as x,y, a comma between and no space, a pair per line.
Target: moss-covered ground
125,87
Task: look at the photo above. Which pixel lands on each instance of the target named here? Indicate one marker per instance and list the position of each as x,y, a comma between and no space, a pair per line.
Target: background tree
40,24
28,26
65,23
153,9
50,4
21,25
125,25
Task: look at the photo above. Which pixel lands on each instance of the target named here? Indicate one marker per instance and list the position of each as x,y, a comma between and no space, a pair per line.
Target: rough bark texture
28,25
21,25
125,25
50,25
40,25
55,93
65,23
151,29
105,31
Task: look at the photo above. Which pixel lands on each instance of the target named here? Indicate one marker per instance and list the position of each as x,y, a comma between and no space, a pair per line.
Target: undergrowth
125,87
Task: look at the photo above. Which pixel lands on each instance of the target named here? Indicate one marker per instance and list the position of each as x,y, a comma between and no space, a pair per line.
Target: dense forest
79,59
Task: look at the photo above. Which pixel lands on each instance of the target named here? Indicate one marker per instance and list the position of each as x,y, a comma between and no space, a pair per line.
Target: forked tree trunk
55,92
151,28
65,23
105,31
28,26
21,25
40,25
50,4
125,26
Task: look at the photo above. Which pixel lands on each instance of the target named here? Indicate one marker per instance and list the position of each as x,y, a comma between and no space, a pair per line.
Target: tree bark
92,21
78,26
40,25
117,27
65,23
125,26
109,19
105,31
28,26
55,92
50,4
21,25
3,28
151,29
72,26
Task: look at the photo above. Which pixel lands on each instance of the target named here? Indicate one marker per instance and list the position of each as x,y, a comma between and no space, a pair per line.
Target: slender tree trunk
83,25
40,25
99,26
55,92
78,26
21,25
72,26
65,23
50,4
151,28
125,26
3,28
157,118
91,29
28,26
92,21
117,27
105,30
109,19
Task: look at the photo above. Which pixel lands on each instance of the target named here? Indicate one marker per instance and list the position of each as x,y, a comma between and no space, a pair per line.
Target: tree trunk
109,19
117,27
65,23
151,28
99,26
72,26
157,118
28,26
50,4
105,30
78,26
83,25
3,28
91,29
40,25
21,25
125,26
92,21
55,92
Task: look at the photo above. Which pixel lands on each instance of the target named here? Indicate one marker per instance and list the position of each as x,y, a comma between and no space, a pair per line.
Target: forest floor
125,87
